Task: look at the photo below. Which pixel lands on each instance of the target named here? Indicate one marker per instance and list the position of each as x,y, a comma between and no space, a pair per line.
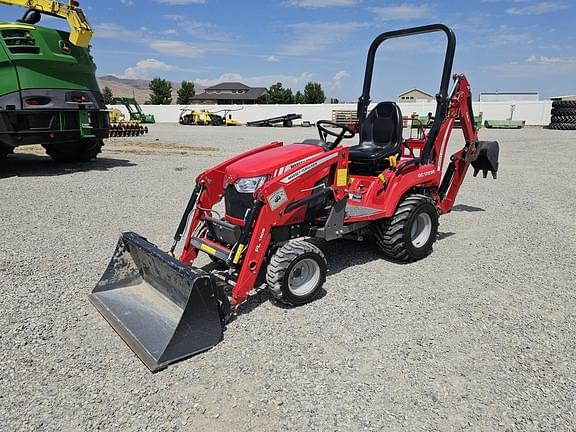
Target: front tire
76,151
409,234
296,272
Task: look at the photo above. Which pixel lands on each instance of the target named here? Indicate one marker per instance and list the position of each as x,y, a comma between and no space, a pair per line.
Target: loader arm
80,29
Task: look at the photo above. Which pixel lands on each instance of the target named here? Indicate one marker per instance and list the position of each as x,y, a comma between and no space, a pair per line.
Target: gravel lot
478,336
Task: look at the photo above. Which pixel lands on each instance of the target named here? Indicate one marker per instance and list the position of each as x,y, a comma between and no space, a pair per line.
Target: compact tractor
48,93
277,198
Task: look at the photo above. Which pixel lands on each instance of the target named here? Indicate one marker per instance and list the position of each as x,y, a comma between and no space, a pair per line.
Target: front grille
237,203
20,42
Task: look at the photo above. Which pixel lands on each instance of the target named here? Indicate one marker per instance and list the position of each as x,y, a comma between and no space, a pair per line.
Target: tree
334,101
299,97
313,93
185,93
161,91
107,95
279,95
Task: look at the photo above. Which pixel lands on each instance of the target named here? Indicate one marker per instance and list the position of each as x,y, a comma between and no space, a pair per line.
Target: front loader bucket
164,310
486,158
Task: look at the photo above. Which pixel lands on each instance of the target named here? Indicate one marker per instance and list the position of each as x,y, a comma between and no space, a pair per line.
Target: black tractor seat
380,138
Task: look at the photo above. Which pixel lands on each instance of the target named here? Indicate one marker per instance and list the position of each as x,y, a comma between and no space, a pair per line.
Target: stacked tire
563,115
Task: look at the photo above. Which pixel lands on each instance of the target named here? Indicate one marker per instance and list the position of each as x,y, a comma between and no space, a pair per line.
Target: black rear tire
564,104
77,151
562,126
5,151
563,112
296,272
563,119
409,234
287,123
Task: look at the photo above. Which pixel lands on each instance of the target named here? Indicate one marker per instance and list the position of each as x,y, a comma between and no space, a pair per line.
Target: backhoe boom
80,30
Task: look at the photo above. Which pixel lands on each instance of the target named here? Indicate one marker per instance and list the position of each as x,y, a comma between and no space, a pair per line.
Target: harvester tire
296,272
5,151
563,112
76,151
564,104
409,234
563,119
562,126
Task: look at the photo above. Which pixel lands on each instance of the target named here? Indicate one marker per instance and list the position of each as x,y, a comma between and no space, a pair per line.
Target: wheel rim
304,277
421,229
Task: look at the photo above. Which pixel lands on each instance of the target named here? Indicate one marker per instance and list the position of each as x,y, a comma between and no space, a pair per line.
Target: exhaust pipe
164,310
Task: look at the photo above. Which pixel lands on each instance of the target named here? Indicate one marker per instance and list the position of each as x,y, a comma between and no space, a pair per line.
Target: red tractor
278,197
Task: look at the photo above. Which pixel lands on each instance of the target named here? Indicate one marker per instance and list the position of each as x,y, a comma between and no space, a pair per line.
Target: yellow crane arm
80,30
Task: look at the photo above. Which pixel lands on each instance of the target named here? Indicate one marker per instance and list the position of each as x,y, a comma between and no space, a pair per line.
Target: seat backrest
383,127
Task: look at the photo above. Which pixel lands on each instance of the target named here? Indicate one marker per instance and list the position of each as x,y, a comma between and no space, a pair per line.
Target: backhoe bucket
164,310
486,159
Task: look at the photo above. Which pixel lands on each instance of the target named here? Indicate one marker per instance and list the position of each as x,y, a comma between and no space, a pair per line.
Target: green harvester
48,89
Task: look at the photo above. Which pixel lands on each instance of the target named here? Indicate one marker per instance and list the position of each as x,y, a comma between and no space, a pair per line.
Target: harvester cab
276,198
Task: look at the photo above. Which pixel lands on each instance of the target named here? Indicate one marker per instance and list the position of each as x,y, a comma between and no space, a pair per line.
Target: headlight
250,184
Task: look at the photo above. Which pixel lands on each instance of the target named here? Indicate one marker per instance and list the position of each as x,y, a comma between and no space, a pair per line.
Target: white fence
535,113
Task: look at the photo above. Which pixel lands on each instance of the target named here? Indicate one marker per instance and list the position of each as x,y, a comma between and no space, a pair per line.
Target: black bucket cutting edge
164,310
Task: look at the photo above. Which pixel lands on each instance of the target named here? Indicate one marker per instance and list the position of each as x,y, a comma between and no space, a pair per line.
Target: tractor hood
272,162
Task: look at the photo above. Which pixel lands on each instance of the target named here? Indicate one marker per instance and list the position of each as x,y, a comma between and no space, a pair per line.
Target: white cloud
536,66
314,37
144,69
115,31
543,60
127,2
258,81
338,78
537,8
201,30
403,11
272,59
182,2
176,48
320,3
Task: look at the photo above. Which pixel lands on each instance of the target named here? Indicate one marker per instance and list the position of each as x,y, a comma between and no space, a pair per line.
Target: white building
509,96
415,95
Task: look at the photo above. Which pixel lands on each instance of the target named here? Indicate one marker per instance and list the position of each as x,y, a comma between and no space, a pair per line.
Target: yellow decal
393,161
208,249
342,177
238,253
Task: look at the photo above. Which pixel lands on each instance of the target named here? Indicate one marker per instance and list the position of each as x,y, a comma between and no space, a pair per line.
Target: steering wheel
345,132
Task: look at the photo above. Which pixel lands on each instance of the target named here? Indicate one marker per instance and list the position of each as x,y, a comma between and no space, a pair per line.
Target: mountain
138,88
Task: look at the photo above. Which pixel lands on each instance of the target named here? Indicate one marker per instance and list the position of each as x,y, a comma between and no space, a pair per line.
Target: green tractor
48,89
134,109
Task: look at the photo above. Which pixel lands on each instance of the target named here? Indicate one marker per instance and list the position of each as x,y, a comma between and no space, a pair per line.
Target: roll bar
442,96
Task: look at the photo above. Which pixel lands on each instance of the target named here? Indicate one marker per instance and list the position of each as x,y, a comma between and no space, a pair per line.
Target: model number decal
427,173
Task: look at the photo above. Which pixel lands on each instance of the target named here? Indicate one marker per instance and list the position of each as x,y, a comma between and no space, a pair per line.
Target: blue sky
501,44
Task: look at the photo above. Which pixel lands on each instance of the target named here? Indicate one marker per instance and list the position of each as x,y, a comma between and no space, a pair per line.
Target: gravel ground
478,336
